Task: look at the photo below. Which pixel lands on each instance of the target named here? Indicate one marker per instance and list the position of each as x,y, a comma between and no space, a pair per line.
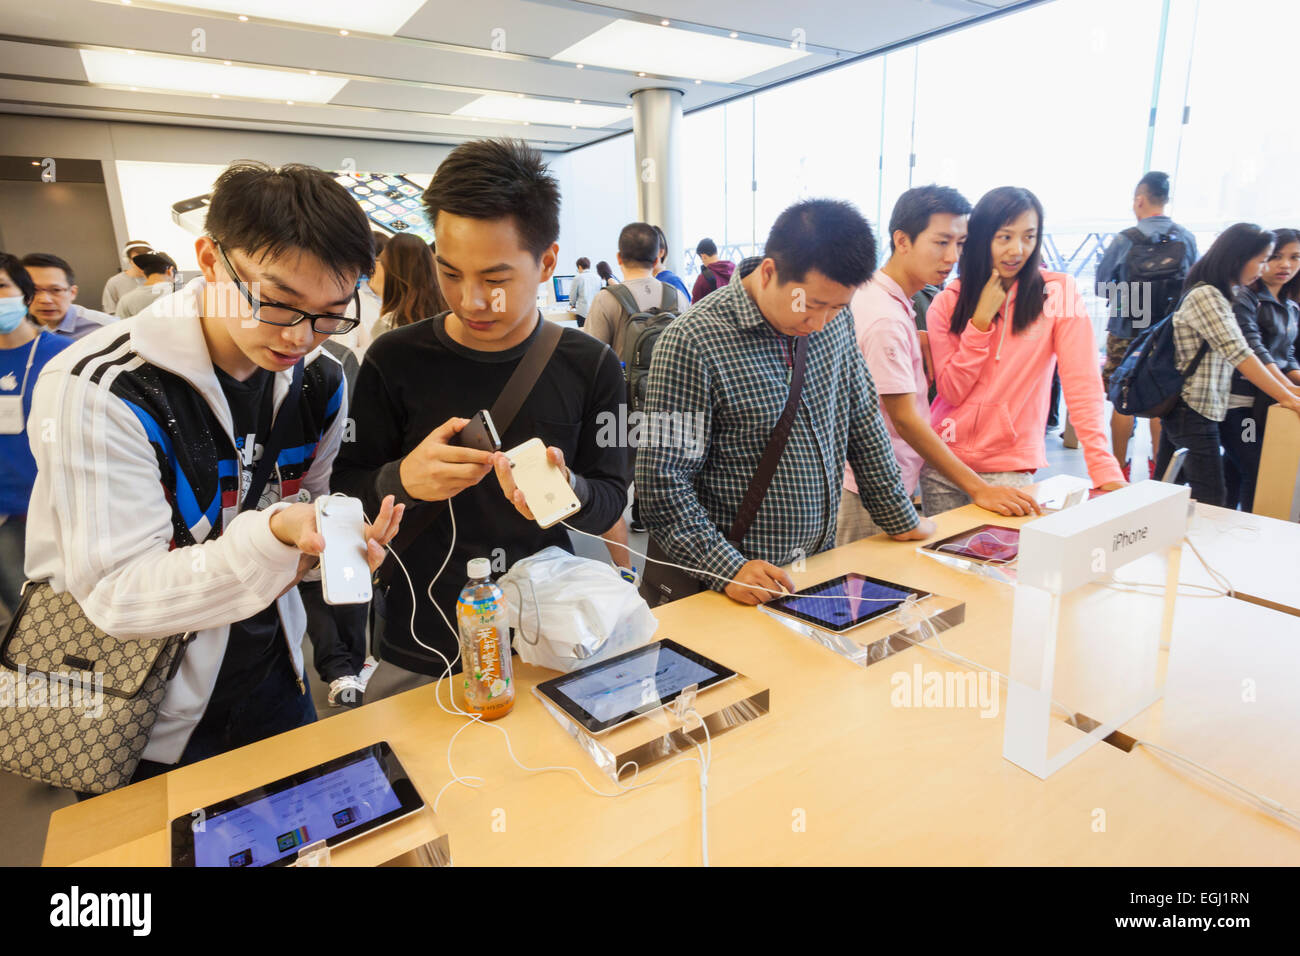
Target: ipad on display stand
844,603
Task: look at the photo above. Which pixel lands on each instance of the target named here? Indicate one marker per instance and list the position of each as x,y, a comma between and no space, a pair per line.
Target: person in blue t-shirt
663,273
24,350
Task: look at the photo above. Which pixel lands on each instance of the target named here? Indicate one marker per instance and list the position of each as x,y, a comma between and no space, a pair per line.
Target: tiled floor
25,807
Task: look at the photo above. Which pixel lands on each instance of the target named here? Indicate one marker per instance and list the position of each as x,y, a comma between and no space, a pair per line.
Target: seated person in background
142,508
714,272
726,367
56,288
128,279
996,334
495,210
24,350
927,231
159,280
661,270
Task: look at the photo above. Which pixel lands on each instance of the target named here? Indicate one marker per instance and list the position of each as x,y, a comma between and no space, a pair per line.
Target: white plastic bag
569,612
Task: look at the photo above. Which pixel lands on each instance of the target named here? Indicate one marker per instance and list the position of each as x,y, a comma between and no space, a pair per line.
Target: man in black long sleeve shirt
496,216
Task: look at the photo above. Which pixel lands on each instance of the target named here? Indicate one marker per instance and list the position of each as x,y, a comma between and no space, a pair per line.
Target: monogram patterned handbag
77,705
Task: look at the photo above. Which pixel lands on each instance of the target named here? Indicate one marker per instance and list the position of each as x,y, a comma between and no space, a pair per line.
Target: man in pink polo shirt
926,233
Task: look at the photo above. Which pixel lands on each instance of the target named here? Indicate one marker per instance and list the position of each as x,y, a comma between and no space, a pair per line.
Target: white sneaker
367,671
346,692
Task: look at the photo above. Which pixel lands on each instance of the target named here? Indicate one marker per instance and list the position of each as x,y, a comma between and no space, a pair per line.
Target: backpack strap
668,300
624,298
1136,236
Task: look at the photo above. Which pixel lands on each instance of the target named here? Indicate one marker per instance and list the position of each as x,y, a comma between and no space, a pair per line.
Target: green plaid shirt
722,367
1206,316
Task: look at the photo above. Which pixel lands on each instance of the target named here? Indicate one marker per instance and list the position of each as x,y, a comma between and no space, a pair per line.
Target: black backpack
643,330
1157,261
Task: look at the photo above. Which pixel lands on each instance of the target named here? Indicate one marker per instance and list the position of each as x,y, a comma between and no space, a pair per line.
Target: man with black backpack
1141,277
628,317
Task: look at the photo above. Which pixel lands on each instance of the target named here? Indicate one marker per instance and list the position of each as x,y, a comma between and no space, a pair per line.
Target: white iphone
344,570
546,491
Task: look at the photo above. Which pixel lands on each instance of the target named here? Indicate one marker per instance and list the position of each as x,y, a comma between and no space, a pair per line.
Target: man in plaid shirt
726,365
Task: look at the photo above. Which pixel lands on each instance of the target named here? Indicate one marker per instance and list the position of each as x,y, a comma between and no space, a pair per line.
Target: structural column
656,128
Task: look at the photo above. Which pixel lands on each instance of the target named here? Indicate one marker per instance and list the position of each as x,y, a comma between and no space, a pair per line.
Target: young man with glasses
53,306
147,437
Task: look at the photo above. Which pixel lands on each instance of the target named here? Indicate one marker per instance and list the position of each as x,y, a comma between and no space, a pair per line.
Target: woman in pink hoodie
996,335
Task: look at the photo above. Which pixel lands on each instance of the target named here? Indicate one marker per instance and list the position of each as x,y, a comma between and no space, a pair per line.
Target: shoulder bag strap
271,447
757,490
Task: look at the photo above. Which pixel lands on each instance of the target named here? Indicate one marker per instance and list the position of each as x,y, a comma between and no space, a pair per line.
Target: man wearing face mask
779,334
24,350
130,278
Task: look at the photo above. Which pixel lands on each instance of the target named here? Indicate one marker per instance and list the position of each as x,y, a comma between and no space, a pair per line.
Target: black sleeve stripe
112,347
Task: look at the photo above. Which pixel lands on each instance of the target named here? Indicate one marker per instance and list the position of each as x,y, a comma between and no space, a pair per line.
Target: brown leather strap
757,490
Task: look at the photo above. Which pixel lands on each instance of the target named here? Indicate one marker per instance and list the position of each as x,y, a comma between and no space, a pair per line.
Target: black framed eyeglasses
275,313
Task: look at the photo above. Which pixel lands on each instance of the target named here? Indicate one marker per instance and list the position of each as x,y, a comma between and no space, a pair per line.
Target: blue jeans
1241,457
1184,427
13,535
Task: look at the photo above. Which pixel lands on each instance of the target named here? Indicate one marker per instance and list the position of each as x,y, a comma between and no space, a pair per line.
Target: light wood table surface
834,774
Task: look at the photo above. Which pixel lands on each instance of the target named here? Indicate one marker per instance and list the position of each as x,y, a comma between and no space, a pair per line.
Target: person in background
372,289
926,233
661,270
1268,312
727,365
495,209
1205,325
714,272
128,279
638,252
24,350
411,291
53,306
921,305
138,511
1149,201
605,272
996,334
159,280
585,286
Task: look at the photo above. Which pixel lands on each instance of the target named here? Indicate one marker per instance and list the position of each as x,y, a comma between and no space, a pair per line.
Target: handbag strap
271,447
776,442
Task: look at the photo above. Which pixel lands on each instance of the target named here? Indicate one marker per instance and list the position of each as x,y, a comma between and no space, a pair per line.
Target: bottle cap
480,568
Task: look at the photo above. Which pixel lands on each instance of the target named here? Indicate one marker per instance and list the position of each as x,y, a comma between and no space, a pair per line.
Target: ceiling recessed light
204,78
135,89
571,127
288,102
312,72
663,23
578,101
647,49
130,52
343,33
534,110
216,96
243,19
526,123
698,82
226,62
580,66
734,34
381,16
36,162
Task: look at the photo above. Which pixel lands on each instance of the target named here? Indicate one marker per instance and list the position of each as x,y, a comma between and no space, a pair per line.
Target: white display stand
1063,559
888,634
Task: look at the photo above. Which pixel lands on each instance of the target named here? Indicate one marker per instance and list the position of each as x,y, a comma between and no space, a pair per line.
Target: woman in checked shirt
1204,319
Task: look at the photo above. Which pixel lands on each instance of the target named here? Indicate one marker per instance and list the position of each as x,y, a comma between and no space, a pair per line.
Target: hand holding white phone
345,572
546,490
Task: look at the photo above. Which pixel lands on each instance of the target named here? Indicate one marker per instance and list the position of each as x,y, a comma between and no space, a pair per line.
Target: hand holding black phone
478,433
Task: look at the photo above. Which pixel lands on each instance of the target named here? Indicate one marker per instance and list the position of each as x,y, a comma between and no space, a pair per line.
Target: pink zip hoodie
993,386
